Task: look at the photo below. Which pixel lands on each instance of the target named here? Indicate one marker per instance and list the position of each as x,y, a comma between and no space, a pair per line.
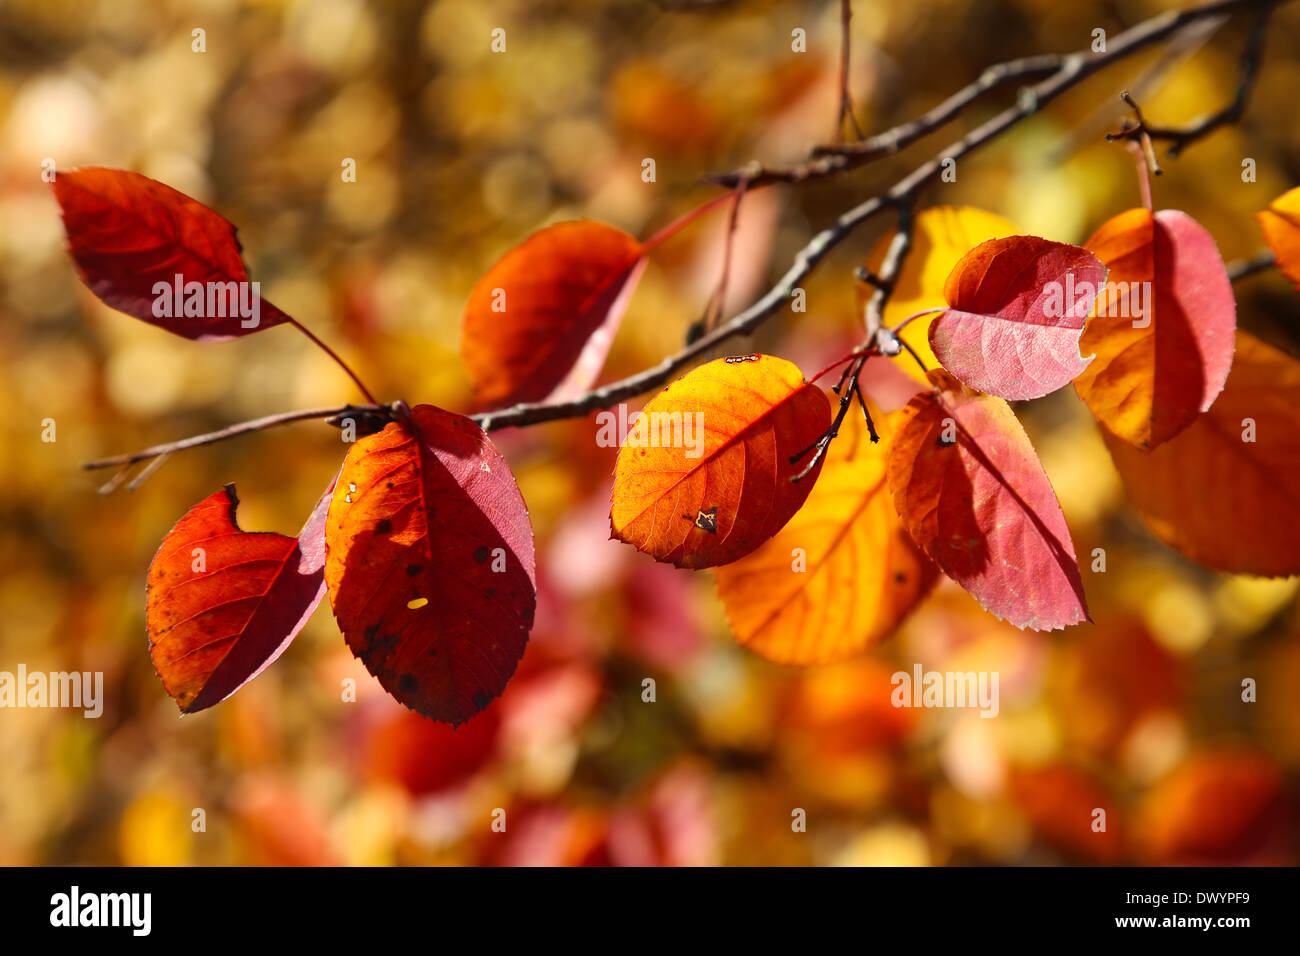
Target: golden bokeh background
460,153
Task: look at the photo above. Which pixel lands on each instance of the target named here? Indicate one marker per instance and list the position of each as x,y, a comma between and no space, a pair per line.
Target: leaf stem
335,356
681,222
916,315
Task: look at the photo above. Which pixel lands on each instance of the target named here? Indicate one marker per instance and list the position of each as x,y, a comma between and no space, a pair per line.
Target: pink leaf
1016,311
972,493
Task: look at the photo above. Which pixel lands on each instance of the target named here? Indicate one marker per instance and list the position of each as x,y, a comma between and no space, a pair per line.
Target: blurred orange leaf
1226,492
540,322
1221,807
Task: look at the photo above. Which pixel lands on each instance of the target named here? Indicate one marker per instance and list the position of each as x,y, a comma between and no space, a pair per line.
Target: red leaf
224,603
430,563
540,322
127,232
1016,311
972,493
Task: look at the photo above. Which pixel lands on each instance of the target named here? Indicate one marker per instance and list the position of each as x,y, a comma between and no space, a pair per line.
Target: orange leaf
1219,807
1223,501
974,495
1162,329
1281,225
842,574
703,477
224,603
430,563
540,322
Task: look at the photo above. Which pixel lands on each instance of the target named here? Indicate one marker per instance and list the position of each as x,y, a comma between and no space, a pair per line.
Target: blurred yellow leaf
841,575
941,235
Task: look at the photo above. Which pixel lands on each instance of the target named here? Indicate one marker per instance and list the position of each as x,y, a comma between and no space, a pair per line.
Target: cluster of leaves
425,547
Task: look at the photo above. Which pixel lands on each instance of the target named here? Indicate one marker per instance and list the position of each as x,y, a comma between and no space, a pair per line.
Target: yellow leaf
941,235
1281,225
841,575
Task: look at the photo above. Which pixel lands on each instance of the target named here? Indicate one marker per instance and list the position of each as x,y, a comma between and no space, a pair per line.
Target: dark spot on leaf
481,700
490,592
900,577
481,553
413,569
384,527
708,520
408,684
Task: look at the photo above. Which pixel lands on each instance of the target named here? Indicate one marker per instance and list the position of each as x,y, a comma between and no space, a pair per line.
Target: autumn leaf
430,563
224,603
425,756
1281,225
1219,807
1226,492
1016,308
127,233
842,574
539,323
1162,331
941,235
703,477
972,493
1061,801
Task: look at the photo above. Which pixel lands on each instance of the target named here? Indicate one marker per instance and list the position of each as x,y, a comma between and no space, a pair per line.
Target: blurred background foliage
461,153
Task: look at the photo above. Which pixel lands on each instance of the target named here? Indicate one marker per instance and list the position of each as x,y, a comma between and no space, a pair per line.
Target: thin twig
718,301
847,389
1259,262
1137,135
332,415
1252,54
829,160
846,102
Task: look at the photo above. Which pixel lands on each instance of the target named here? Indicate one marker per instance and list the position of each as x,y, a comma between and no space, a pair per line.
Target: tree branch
334,416
1059,74
1070,71
1259,262
1253,53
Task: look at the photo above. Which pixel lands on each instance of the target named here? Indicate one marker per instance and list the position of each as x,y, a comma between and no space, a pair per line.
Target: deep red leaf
127,232
224,603
430,563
